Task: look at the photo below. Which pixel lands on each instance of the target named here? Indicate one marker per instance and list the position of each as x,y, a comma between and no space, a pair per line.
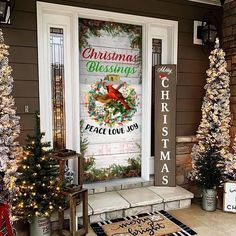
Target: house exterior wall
229,45
21,35
192,63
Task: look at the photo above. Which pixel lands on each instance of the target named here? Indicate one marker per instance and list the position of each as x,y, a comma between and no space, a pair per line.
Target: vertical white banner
111,95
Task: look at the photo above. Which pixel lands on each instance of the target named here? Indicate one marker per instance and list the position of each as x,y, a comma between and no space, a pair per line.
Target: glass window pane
58,86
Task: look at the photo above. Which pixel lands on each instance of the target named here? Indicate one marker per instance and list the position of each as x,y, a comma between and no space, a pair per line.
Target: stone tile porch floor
216,223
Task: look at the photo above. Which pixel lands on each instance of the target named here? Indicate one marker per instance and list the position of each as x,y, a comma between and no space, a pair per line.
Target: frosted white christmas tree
230,164
9,127
213,131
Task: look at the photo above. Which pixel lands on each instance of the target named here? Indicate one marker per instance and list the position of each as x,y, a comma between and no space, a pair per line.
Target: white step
116,204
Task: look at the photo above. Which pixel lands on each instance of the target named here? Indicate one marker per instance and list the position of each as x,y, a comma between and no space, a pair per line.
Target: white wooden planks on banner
230,197
106,41
110,146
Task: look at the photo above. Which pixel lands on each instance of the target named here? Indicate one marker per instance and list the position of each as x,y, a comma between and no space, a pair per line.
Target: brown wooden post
60,222
165,125
73,195
85,211
80,169
73,215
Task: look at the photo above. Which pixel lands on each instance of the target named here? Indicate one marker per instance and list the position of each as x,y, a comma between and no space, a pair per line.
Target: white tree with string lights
9,128
211,151
9,147
230,164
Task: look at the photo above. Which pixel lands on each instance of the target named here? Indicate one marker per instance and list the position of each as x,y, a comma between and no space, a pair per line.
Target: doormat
147,224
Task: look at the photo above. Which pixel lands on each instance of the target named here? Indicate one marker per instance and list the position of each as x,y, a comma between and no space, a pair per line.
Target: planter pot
21,228
209,200
40,226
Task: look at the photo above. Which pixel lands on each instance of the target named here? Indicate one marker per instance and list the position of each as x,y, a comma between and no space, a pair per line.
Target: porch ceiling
211,2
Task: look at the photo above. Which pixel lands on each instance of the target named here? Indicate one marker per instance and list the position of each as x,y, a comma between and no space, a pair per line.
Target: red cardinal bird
117,96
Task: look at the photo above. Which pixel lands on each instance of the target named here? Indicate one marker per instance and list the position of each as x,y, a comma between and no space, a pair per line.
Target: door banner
110,99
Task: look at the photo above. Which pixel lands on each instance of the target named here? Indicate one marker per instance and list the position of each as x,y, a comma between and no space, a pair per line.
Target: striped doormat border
185,230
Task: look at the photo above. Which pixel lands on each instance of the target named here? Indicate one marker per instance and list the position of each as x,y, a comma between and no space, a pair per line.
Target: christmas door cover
110,98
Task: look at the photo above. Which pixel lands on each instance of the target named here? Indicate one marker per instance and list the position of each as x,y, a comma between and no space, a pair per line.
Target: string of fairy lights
213,131
40,195
9,128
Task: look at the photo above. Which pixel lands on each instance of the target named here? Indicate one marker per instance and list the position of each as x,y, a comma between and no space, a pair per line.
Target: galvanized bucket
40,226
209,199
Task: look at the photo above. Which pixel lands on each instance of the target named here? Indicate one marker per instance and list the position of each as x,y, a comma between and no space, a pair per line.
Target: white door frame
66,17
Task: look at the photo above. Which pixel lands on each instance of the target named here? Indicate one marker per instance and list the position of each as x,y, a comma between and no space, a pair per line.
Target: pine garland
90,28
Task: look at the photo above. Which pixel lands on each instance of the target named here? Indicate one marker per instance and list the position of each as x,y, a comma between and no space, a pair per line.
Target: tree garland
93,28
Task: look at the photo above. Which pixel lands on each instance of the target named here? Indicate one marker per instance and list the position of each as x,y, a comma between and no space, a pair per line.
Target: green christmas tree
9,128
211,151
208,168
38,182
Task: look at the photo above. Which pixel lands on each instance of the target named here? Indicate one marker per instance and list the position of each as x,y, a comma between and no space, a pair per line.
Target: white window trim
66,17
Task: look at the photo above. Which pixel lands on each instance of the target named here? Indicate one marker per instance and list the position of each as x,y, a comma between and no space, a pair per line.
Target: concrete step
127,202
118,184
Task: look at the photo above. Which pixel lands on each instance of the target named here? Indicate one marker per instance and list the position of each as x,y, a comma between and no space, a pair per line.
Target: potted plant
38,183
207,172
212,149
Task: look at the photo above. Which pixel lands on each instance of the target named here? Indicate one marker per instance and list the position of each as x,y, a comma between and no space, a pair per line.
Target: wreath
111,105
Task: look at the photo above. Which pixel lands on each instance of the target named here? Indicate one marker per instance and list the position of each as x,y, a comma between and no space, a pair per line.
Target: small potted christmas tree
207,172
38,182
211,151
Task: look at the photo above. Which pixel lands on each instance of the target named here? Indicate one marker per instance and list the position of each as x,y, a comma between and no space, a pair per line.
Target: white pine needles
9,126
